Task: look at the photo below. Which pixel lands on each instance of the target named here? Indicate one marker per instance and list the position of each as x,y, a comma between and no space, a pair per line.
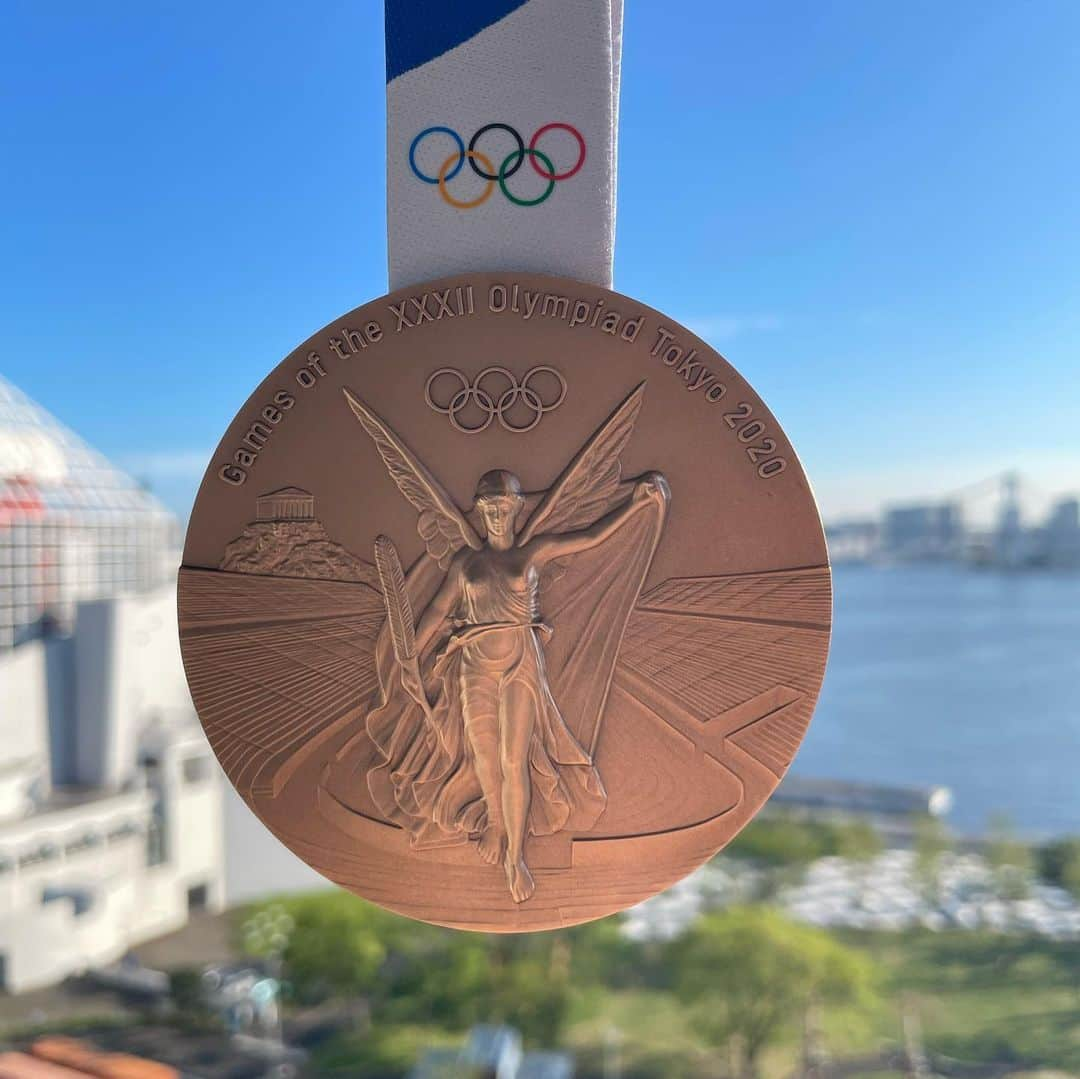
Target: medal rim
552,283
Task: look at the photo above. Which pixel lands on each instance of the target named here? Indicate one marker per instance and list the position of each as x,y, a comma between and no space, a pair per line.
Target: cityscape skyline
944,530
981,499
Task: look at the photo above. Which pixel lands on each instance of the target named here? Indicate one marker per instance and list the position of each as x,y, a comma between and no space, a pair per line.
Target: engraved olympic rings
482,166
492,402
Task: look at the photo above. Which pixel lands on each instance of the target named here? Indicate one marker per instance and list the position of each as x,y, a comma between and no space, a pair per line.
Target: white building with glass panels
72,527
110,801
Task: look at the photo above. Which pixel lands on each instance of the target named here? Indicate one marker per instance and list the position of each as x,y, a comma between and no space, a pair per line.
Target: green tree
1059,863
531,985
333,944
749,974
857,840
783,839
336,943
931,842
458,979
1010,858
438,976
602,954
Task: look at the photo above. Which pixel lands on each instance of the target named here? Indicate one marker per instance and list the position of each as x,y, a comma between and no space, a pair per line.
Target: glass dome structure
72,526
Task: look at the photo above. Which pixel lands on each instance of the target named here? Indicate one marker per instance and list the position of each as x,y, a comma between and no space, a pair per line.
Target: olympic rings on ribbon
552,174
481,165
520,155
494,404
444,175
431,131
497,127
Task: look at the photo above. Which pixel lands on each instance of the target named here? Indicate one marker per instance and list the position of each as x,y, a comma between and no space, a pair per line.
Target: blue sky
872,209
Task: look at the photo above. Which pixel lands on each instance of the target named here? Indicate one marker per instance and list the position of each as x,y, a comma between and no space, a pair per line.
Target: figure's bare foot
492,844
520,879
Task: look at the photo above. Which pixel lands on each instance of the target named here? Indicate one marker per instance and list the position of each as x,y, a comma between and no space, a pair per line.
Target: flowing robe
425,779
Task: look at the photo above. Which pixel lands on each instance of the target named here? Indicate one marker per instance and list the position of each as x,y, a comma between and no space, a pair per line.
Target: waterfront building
933,530
853,541
1011,542
1061,536
110,802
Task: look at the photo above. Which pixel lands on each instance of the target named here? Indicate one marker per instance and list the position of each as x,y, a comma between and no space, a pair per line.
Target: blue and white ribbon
502,119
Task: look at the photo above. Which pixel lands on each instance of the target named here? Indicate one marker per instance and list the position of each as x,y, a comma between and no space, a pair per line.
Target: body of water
970,679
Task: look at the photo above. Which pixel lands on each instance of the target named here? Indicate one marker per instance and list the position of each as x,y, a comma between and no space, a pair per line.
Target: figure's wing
441,525
584,491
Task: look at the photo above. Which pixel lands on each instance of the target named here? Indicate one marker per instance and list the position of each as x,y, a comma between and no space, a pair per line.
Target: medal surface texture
505,602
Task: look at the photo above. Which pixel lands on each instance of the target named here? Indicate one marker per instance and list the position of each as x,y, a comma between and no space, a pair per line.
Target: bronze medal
505,602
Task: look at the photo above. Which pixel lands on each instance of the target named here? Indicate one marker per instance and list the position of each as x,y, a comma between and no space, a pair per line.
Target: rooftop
46,468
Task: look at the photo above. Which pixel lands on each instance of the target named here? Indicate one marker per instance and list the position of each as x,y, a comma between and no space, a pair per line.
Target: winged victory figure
488,706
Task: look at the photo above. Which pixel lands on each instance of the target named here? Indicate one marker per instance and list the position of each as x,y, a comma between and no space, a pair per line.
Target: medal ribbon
502,120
